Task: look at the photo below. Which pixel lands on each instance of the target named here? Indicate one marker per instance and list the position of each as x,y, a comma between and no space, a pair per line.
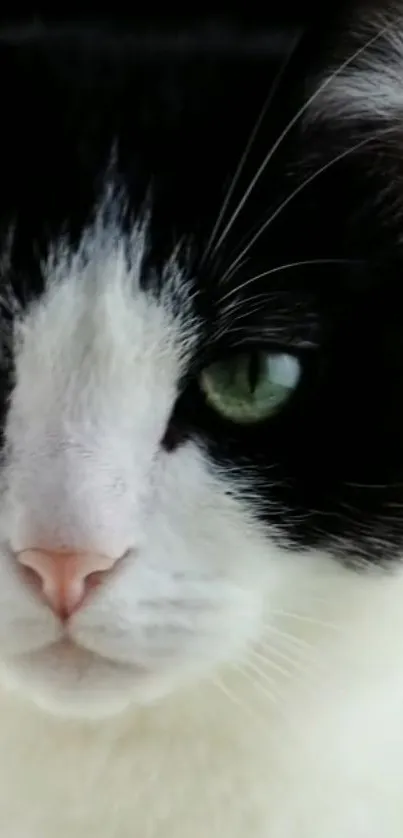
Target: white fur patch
300,737
367,83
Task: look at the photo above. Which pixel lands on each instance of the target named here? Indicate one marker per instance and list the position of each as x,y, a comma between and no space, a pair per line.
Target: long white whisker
302,618
229,274
285,637
271,665
235,700
308,685
277,696
302,662
245,154
291,124
296,662
243,671
231,696
303,185
280,268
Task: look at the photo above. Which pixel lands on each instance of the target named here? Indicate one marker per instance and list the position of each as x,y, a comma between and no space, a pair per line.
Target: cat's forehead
107,353
102,294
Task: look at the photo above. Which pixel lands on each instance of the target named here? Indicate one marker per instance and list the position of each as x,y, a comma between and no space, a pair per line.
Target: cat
201,521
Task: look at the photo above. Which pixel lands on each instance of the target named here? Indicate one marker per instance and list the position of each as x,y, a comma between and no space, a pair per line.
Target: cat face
207,392
95,470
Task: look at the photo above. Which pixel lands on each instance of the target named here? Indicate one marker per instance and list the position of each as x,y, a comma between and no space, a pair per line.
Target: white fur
367,82
310,747
220,685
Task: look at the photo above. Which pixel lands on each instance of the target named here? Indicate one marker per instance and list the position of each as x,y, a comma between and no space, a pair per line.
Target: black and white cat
201,518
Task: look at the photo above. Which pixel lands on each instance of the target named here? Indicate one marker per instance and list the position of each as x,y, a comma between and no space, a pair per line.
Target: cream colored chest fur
207,766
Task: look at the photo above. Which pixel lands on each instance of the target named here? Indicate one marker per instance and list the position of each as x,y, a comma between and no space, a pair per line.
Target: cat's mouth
65,654
66,651
66,678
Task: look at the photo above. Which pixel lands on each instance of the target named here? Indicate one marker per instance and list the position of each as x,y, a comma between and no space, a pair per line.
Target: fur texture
240,671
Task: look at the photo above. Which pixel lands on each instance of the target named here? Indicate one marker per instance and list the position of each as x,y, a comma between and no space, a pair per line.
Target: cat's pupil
254,370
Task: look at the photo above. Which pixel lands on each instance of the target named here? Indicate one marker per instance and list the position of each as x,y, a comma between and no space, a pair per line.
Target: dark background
169,15
247,28
267,25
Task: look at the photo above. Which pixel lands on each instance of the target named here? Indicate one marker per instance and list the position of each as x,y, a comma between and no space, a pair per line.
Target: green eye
251,386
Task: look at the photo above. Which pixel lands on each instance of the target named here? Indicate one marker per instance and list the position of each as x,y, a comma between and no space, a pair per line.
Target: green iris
250,386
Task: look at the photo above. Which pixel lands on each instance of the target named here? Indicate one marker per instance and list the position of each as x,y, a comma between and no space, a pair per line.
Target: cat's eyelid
297,348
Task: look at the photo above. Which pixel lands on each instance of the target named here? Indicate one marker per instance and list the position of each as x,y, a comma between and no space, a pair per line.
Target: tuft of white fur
367,83
216,684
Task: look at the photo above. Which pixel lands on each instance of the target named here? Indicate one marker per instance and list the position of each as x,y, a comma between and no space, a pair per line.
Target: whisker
285,637
306,183
244,157
280,268
355,485
278,699
307,686
328,80
270,664
267,693
229,274
302,618
295,662
306,659
235,700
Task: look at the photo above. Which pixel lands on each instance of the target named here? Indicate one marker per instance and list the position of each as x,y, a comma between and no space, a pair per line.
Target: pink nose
65,579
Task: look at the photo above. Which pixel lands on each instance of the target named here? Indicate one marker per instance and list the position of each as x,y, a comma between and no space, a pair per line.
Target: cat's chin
67,680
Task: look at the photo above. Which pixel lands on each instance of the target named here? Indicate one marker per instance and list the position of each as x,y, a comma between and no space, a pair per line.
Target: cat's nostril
65,579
